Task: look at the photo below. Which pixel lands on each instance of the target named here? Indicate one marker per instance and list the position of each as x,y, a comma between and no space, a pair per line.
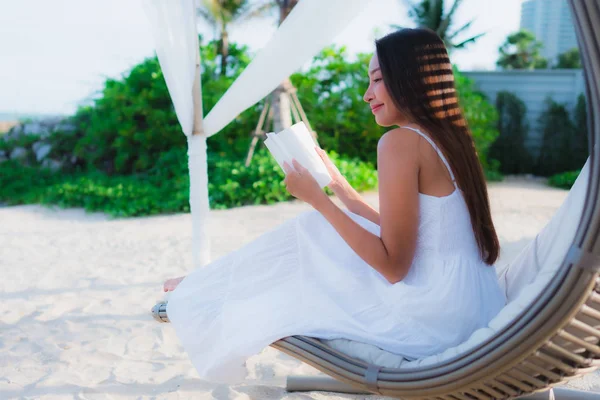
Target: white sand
76,290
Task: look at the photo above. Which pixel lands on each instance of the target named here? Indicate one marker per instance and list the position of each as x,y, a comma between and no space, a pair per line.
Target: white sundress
302,278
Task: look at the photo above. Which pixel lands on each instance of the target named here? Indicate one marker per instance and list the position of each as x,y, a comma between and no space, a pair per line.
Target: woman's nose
368,96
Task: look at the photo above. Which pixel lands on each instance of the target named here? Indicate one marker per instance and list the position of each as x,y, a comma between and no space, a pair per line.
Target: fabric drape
173,26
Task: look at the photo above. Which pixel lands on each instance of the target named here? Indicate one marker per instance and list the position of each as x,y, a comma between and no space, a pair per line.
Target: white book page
299,143
275,150
284,150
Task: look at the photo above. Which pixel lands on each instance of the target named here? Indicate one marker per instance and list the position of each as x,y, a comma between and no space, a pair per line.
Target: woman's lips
377,107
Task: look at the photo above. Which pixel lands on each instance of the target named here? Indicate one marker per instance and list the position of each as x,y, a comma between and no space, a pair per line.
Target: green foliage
24,185
564,147
120,196
481,117
521,50
509,149
580,122
569,59
493,173
564,180
130,124
133,121
165,188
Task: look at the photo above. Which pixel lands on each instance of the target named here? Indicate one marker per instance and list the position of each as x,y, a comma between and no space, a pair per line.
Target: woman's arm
392,253
354,201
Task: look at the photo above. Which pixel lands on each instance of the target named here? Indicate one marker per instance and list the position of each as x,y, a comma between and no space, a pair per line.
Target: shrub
165,188
492,173
564,145
481,116
133,121
564,180
509,148
581,143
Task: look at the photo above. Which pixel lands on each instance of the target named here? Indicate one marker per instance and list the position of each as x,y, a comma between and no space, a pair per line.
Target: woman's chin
382,121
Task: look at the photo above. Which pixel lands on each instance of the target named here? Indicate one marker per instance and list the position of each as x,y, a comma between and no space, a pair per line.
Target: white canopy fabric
173,25
311,25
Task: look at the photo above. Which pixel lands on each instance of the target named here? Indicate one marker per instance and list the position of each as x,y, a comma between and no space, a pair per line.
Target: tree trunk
282,111
285,8
224,50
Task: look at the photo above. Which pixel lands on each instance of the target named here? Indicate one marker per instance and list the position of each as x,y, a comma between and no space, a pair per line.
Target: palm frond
416,11
462,44
453,9
258,11
430,14
207,16
460,30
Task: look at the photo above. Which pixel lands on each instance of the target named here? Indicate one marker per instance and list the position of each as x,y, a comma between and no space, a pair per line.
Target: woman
414,278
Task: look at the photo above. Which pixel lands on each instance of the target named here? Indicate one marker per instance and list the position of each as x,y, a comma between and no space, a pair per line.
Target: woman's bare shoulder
399,139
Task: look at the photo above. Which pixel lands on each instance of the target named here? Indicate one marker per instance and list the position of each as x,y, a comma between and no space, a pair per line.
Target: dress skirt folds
302,278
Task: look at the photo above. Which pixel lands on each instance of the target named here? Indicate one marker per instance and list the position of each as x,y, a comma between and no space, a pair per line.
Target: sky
55,54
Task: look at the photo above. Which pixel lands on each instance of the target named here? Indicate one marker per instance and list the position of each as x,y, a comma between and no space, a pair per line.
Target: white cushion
523,280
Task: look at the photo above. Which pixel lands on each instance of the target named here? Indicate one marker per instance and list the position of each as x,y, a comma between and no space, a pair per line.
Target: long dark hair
417,72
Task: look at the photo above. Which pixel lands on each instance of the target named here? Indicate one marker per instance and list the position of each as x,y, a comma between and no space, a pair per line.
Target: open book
296,142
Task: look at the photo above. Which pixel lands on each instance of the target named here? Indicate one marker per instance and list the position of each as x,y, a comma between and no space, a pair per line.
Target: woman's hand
300,183
337,179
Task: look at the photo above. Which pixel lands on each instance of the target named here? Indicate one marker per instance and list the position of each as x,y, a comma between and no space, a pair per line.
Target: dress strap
432,143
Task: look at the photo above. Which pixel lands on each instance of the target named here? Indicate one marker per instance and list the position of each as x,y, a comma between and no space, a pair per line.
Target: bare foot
171,284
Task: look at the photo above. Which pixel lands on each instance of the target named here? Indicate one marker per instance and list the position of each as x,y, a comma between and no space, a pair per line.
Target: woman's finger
298,166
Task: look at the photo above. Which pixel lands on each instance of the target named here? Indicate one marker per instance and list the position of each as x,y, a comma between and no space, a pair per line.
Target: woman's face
383,107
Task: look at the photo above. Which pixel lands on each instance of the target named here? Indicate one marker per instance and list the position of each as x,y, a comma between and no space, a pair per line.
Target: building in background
551,23
533,87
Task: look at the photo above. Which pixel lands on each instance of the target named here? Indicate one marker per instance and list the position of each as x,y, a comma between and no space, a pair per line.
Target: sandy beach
77,289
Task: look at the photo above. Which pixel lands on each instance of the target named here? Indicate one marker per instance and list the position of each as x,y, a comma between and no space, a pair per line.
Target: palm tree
430,14
220,14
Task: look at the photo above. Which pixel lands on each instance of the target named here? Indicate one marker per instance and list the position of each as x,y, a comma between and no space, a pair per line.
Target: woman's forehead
374,63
